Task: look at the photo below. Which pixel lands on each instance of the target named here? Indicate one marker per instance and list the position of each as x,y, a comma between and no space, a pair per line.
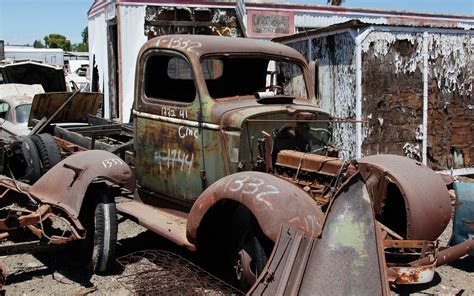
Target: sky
23,21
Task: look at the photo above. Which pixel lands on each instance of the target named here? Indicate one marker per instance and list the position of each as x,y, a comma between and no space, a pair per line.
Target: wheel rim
243,269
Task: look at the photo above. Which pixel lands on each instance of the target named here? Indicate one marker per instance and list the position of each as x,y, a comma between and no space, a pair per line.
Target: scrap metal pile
266,205
380,228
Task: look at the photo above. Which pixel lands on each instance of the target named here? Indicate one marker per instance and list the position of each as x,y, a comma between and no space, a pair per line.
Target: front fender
271,200
66,183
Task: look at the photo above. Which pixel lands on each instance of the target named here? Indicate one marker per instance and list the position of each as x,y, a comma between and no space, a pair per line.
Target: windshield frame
223,55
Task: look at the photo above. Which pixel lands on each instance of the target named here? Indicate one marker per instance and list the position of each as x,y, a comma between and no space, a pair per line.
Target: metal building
410,85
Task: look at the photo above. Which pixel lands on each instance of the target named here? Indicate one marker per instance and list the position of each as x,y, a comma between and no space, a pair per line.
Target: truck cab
204,105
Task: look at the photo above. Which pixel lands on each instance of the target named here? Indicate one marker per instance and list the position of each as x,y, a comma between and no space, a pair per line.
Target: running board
168,223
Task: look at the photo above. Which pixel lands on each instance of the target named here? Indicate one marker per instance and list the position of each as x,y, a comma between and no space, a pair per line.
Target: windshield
22,113
243,76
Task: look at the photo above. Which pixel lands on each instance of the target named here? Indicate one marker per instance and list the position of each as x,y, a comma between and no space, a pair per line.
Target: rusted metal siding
392,91
393,97
451,102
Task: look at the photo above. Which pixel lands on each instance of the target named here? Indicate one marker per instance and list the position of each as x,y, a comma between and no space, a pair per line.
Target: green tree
85,35
38,44
57,41
84,46
81,47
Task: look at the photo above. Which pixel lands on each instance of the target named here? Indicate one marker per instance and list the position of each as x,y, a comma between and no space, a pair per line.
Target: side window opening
169,78
4,111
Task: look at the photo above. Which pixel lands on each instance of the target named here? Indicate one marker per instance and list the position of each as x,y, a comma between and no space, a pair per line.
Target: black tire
249,243
49,152
32,160
99,218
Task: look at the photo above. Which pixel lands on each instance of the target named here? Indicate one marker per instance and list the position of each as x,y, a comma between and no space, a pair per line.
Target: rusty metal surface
399,255
193,136
423,192
233,113
408,275
158,272
83,104
346,259
286,265
199,45
273,201
66,183
165,222
309,162
22,213
450,254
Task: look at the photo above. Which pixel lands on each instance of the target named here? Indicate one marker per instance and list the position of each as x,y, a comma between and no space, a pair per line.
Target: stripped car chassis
23,214
58,209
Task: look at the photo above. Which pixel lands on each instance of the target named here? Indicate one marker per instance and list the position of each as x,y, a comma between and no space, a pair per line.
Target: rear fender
66,183
272,200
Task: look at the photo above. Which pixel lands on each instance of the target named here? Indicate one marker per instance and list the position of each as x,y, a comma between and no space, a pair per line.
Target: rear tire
49,152
32,159
99,218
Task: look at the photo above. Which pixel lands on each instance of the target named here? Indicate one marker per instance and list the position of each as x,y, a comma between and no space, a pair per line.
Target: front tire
250,256
99,218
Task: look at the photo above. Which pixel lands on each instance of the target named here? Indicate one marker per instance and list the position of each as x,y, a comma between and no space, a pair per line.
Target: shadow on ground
62,267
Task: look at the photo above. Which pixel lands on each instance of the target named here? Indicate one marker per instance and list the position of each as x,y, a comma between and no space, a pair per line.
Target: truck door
166,121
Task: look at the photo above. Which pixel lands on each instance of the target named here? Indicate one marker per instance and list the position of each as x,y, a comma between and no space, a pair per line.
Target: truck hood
30,72
18,89
83,104
234,113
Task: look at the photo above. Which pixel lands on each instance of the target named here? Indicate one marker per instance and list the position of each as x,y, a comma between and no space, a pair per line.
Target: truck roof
198,45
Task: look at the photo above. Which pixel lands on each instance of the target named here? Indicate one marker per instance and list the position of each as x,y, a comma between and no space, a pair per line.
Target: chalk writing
172,159
170,112
184,131
108,163
165,111
179,43
183,114
254,186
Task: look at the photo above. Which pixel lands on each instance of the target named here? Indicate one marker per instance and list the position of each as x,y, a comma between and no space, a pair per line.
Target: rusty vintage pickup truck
233,159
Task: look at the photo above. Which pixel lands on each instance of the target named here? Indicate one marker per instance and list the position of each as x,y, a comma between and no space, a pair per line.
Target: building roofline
297,7
354,24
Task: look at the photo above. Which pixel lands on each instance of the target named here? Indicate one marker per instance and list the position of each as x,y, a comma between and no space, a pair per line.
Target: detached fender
272,200
66,183
423,193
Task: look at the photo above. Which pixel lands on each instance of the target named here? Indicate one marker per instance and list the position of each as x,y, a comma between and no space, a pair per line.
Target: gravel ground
46,274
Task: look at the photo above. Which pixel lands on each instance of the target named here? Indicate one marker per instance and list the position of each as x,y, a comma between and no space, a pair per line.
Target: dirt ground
47,274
